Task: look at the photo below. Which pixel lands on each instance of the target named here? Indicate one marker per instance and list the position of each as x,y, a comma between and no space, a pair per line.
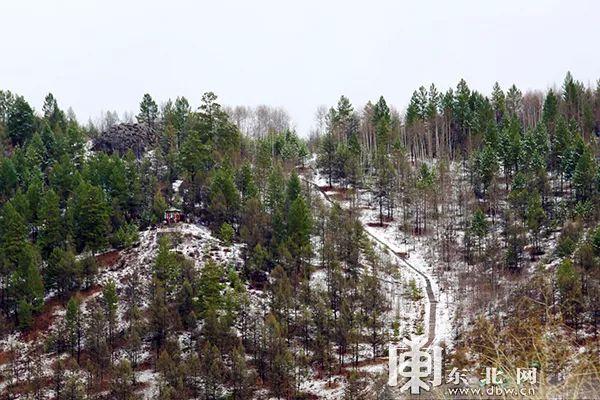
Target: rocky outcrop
122,137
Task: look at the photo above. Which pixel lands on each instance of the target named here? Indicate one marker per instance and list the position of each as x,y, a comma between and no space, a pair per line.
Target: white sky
99,55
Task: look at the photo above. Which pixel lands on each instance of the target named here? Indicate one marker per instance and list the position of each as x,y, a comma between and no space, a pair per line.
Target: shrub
126,236
226,233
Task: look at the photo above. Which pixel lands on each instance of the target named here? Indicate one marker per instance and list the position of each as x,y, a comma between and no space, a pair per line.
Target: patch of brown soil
43,321
339,196
336,189
377,225
5,357
109,258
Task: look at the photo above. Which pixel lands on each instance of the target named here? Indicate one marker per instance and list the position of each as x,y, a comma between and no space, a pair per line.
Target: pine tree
571,95
13,232
461,111
498,102
89,214
584,175
159,320
293,189
244,181
479,227
181,114
299,228
550,110
373,308
186,305
215,126
514,102
148,111
275,204
52,114
224,198
383,184
535,218
567,280
63,272
210,287
326,157
242,377
211,370
281,295
96,335
8,178
382,121
110,302
34,195
159,206
195,156
122,386
74,326
20,124
487,167
167,268
280,359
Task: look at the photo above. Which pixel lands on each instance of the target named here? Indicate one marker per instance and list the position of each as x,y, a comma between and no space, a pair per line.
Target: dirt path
431,324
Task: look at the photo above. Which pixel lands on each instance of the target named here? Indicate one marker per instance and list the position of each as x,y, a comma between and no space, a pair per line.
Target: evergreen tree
384,184
535,218
210,287
122,386
298,232
181,115
514,102
212,371
280,359
52,114
89,216
159,320
373,308
293,189
498,102
244,181
63,272
186,305
148,111
382,121
20,124
584,175
110,302
8,178
567,280
242,377
74,326
195,156
159,206
479,227
167,268
326,157
550,110
215,126
224,198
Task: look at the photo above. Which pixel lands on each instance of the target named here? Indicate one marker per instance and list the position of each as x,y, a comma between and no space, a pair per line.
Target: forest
276,283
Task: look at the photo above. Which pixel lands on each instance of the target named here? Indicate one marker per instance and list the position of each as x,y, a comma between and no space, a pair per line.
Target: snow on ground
192,240
177,185
420,257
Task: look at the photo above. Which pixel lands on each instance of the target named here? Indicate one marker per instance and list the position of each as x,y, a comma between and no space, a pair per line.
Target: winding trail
431,300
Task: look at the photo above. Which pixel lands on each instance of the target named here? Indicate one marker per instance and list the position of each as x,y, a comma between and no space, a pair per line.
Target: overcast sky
99,55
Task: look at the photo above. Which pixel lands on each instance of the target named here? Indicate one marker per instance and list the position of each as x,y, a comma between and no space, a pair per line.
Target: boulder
122,137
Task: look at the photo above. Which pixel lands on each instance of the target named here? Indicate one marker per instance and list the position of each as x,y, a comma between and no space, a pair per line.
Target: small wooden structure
173,215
